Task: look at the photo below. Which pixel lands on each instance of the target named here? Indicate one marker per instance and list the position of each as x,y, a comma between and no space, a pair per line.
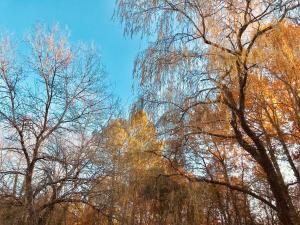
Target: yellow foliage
273,84
135,140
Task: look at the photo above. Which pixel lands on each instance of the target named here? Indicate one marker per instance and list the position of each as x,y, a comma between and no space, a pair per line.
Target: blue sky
88,21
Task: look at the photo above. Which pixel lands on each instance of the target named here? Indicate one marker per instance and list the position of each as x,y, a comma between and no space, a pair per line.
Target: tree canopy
212,140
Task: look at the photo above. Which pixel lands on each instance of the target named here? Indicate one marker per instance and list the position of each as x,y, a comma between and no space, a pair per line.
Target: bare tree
51,101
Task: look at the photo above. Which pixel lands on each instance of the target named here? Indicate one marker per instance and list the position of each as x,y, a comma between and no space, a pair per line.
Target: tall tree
219,70
50,99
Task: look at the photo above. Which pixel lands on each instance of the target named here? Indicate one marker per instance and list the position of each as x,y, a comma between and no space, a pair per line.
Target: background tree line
219,143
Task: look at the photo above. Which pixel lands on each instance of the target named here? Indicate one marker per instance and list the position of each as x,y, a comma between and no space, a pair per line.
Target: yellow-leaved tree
138,188
132,152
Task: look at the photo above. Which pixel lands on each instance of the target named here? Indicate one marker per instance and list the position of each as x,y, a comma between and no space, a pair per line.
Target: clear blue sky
88,21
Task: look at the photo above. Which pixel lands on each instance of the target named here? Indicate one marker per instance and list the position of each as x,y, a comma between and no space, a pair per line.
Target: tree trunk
286,210
29,204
